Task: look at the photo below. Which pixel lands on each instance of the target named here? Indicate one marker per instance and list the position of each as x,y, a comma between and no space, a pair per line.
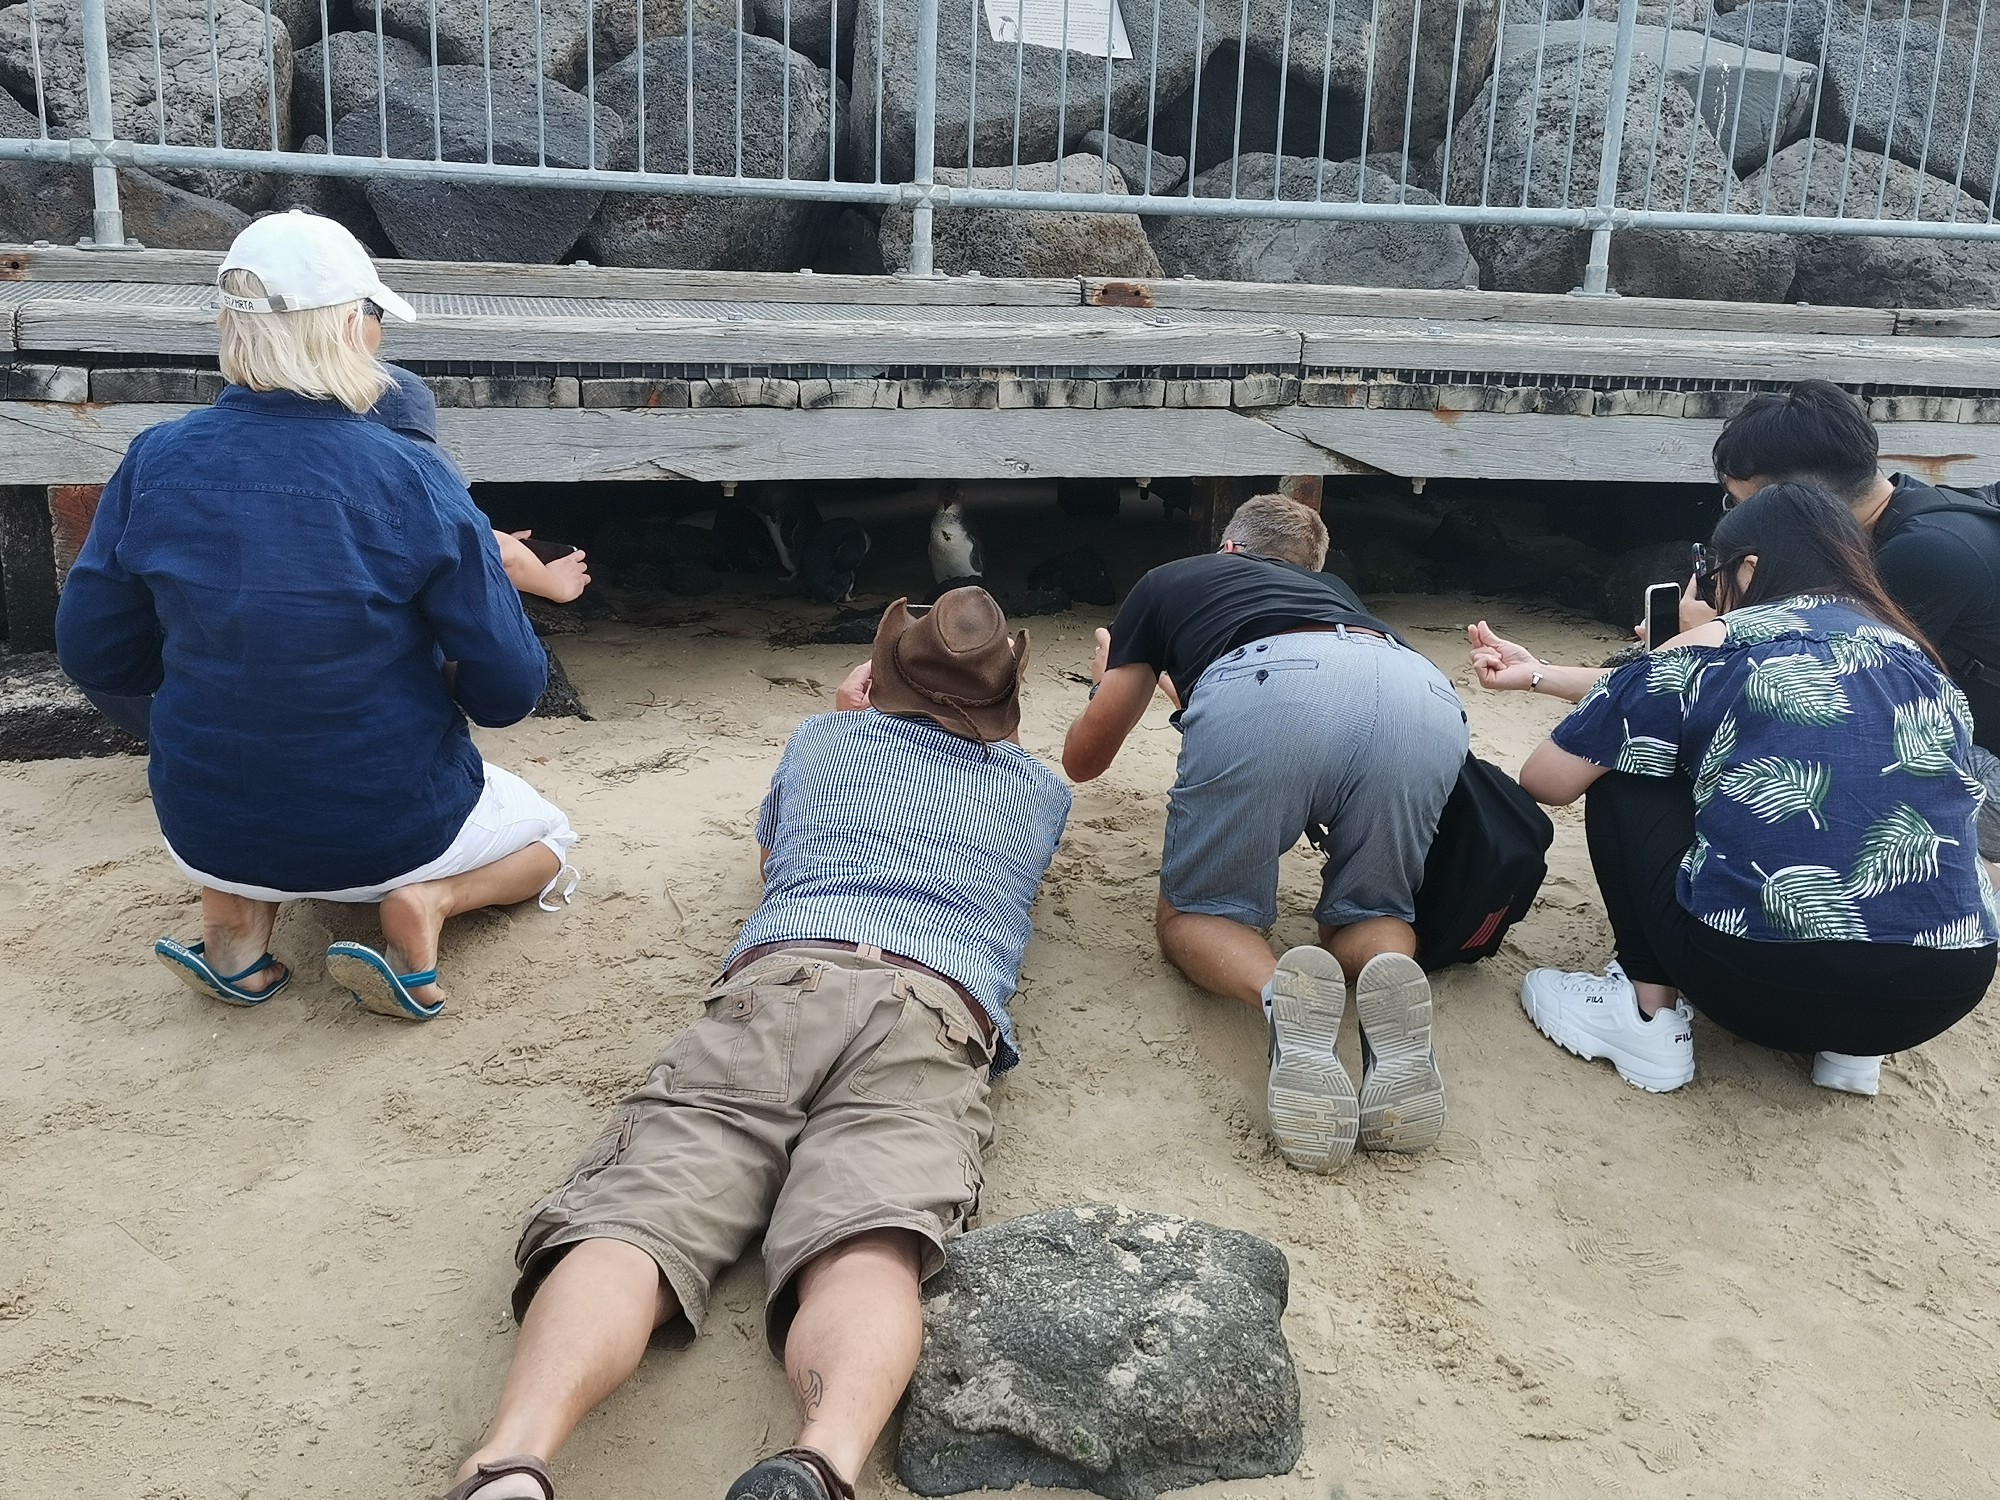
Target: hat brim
392,304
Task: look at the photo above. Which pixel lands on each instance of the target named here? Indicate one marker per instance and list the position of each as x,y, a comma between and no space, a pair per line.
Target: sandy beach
268,1253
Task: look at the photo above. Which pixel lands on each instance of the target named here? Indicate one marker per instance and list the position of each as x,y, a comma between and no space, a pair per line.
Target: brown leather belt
895,960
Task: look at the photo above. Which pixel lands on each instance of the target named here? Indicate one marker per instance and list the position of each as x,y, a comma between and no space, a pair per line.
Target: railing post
1597,274
926,142
107,220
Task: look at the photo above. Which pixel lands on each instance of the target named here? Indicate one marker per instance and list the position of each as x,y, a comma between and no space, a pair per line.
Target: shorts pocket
742,1044
1261,667
932,1059
611,1144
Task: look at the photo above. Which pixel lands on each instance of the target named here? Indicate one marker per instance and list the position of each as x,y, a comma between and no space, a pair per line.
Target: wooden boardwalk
577,373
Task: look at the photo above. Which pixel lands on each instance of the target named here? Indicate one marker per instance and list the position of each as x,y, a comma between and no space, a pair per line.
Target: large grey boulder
252,71
713,234
1102,1349
1845,270
342,199
1003,242
1047,132
1796,28
430,220
1747,98
1144,171
618,24
51,201
1879,84
359,74
553,37
1454,44
1326,252
822,29
1531,161
1538,11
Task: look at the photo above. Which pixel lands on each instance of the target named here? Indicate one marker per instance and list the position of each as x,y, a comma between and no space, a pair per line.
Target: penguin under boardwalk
955,552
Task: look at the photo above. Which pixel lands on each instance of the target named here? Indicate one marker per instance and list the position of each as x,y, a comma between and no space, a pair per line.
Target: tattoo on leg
812,1390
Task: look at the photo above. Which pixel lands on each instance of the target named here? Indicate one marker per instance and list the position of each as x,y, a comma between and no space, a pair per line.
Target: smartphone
1663,614
548,552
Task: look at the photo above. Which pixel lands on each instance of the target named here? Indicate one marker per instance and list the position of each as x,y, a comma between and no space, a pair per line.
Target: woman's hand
1100,658
1695,610
1500,664
857,688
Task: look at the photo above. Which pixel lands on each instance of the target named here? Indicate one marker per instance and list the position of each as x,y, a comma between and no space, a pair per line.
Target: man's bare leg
235,933
1223,957
584,1335
1360,941
854,1343
1402,1092
413,916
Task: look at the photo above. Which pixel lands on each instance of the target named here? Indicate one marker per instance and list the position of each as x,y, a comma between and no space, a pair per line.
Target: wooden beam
1353,343
119,328
1475,306
8,314
50,444
185,267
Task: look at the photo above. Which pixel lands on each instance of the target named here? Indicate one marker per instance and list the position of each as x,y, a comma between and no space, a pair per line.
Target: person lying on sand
1780,814
833,1095
307,738
1301,708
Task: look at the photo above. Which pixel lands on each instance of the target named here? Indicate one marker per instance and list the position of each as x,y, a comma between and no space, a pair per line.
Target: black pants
1862,998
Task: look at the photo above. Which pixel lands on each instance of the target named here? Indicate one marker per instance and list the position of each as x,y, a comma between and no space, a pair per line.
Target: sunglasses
371,309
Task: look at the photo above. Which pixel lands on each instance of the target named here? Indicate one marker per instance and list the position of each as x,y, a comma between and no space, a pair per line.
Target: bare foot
412,918
235,933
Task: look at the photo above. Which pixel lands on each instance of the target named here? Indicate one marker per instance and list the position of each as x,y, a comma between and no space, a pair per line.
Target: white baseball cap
306,260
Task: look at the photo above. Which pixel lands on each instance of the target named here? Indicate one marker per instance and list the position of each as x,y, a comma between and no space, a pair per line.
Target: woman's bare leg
413,916
235,933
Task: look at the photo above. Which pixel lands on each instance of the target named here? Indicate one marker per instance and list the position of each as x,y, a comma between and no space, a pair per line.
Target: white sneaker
1598,1015
1314,1114
1849,1074
1402,1095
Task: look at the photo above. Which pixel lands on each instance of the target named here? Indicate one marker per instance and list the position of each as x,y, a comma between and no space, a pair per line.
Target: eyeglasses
371,309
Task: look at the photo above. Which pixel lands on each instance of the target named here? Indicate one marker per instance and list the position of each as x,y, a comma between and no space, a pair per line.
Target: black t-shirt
1943,567
1183,615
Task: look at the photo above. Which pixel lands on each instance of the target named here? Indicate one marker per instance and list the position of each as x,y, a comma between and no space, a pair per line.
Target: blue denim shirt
289,579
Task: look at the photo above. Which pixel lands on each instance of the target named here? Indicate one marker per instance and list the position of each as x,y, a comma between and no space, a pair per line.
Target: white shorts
509,816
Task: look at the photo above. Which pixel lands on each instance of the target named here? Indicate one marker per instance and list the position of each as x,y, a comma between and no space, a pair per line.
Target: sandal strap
500,1468
266,962
836,1487
417,980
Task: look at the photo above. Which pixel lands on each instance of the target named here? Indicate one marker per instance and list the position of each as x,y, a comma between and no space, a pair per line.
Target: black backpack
1485,866
1927,499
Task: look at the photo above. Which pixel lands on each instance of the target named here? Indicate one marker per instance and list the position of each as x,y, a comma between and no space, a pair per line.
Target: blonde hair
1273,526
316,351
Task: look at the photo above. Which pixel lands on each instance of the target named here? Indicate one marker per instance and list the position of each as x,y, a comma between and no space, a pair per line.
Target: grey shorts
1985,767
1351,731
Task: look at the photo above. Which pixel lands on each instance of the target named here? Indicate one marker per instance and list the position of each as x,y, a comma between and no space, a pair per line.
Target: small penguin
955,550
789,517
829,558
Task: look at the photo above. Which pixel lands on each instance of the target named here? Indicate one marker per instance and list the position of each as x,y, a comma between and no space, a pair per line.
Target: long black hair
1805,542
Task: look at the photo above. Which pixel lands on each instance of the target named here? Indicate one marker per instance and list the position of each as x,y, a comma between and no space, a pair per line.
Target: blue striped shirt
893,832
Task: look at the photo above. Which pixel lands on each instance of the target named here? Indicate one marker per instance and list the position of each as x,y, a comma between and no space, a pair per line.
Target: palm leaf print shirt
1827,755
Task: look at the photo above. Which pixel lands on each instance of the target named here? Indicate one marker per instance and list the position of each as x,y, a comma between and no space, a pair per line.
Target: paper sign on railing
1095,27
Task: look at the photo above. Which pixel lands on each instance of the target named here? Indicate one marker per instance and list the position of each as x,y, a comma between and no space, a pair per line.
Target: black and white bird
955,555
830,557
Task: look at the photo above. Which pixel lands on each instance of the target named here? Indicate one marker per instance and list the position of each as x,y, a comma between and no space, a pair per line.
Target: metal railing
1847,117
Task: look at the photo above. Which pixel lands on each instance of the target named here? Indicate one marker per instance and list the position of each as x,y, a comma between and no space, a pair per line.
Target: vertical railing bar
687,101
541,89
739,89
1659,118
270,77
785,148
833,90
1242,63
1895,103
1062,88
1451,91
1819,96
1736,110
160,74
486,57
107,219
1534,103
1971,99
35,62
214,72
1284,80
639,35
1854,116
1695,125
925,152
1370,52
1325,108
589,86
1409,106
1930,113
1194,95
1777,97
1104,129
381,80
1153,101
971,89
1576,104
1597,271
1020,77
1493,116
881,47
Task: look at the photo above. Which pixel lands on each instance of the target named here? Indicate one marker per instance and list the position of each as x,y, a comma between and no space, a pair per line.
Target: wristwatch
1534,682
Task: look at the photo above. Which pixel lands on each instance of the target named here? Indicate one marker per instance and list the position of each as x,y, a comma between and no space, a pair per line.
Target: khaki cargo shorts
821,1095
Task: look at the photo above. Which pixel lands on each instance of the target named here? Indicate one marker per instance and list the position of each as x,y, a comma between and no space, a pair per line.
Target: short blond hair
316,351
1273,526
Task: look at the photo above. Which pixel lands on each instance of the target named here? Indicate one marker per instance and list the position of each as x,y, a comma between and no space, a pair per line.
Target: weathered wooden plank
1016,392
1476,306
1347,344
7,316
44,383
849,395
1198,393
48,444
185,267
1958,322
116,328
1495,445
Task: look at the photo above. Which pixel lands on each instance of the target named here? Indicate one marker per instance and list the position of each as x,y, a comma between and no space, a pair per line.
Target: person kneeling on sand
833,1094
1300,709
291,584
1780,814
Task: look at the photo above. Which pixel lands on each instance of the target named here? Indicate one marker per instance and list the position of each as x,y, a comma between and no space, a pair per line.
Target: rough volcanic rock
740,234
50,201
560,699
1327,252
1005,242
1879,84
813,29
1047,130
1102,1349
618,24
1531,160
1134,161
1845,270
431,220
342,199
255,71
1454,45
1798,29
564,50
358,75
1746,97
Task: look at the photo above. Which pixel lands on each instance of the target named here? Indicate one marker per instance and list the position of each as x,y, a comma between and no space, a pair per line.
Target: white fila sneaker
1314,1114
1851,1075
1598,1015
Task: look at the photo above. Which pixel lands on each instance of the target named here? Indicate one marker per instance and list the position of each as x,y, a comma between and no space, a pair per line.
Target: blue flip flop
192,969
378,987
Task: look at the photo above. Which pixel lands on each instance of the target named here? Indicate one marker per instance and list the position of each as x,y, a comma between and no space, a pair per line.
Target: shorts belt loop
869,951
814,974
1340,630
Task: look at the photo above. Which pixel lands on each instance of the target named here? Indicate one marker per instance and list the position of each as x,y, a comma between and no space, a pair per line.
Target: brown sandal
500,1468
786,1475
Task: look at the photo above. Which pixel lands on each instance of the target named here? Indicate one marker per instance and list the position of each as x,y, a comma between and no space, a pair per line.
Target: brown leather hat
952,664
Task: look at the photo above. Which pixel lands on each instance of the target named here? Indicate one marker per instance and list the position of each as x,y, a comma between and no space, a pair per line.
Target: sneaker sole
1314,1114
1651,1080
1402,1092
